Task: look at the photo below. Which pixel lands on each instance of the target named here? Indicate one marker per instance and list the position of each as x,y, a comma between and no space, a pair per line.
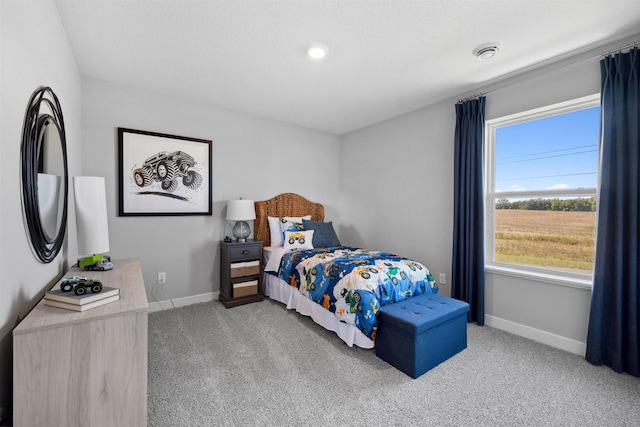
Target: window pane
557,152
542,187
554,233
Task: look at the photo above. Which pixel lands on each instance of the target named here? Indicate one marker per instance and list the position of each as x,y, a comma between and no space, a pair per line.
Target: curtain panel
613,337
467,272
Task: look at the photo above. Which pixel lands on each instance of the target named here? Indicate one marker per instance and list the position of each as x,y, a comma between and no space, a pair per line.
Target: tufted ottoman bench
418,333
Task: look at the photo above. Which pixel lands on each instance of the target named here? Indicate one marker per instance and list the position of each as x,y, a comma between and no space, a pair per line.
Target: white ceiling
385,57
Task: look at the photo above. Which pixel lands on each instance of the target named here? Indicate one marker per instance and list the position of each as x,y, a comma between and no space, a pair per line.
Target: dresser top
126,275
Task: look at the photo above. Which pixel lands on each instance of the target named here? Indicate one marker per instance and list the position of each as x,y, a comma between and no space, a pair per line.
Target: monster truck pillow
276,231
298,239
290,226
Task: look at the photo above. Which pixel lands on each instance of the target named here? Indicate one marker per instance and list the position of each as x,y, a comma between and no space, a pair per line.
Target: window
541,177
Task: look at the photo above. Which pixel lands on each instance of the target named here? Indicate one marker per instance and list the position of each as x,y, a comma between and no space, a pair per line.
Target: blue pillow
324,235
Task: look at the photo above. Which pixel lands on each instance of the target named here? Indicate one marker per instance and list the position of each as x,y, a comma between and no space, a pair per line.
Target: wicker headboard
287,204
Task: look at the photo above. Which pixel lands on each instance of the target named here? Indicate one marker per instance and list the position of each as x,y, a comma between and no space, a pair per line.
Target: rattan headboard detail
286,204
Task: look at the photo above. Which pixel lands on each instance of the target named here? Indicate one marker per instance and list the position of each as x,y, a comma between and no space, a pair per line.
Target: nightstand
240,273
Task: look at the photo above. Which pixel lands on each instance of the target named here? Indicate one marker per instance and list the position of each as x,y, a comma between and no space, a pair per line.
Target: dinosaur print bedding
354,283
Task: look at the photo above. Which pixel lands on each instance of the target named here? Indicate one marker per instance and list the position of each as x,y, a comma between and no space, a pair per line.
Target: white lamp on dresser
91,222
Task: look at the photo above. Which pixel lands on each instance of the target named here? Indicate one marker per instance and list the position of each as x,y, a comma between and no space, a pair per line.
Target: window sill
556,279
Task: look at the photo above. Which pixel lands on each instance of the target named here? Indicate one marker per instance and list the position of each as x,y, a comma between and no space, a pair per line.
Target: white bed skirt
277,289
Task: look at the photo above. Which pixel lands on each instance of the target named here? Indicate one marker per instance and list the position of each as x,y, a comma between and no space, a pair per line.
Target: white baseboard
563,343
181,302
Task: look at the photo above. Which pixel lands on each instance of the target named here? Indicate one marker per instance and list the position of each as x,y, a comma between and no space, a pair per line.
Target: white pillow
290,226
275,231
298,239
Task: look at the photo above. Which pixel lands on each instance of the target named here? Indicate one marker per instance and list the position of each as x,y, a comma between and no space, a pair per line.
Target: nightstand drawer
244,252
248,268
242,289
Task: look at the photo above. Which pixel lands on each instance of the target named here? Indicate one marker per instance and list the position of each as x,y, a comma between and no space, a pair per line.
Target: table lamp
241,211
91,222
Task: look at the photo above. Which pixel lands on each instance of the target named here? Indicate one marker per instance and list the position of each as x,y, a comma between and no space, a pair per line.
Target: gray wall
34,52
396,189
252,157
405,167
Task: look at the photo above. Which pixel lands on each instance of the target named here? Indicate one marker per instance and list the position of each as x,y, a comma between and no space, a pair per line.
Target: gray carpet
261,364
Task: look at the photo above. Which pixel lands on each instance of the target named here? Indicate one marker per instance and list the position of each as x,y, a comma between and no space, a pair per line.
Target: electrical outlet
443,279
162,278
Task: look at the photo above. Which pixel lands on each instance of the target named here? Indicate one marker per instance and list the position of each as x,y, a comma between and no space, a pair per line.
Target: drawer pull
245,252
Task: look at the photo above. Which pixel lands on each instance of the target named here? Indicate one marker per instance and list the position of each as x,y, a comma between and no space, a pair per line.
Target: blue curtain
467,273
613,337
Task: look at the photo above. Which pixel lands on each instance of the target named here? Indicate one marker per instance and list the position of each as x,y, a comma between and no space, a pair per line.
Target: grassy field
545,238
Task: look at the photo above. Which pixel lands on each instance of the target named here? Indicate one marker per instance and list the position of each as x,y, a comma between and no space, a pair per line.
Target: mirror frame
44,247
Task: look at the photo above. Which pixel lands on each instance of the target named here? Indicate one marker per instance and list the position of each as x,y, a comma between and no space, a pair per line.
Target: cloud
558,187
514,187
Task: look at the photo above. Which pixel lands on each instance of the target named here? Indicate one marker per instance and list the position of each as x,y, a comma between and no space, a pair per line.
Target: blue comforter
354,283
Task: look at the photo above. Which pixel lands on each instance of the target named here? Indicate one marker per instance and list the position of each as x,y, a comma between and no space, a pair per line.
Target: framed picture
163,174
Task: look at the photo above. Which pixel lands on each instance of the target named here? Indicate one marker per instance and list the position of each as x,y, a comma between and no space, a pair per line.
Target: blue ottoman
418,333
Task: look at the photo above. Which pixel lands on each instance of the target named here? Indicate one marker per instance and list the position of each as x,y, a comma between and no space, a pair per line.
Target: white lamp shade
91,215
240,210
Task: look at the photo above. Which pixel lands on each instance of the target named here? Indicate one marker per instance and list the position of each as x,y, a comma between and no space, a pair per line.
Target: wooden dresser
85,368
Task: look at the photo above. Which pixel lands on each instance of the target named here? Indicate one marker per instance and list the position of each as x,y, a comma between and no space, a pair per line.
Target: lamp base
241,231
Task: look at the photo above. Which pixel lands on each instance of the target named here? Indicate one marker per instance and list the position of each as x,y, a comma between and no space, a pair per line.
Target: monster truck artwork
166,168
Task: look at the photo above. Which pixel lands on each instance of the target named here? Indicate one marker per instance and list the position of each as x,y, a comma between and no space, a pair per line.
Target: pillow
275,232
324,236
290,226
298,239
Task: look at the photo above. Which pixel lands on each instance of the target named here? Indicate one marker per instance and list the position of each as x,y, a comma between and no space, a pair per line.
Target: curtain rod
620,49
601,55
469,98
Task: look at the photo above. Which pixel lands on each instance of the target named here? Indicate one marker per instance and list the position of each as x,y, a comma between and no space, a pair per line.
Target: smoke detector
486,51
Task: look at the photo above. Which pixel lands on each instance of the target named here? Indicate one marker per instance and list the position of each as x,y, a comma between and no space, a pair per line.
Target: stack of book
71,301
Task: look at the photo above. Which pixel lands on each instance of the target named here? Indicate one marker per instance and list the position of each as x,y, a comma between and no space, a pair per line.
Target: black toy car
80,285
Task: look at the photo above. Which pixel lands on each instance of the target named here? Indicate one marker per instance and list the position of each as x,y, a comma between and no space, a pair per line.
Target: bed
340,287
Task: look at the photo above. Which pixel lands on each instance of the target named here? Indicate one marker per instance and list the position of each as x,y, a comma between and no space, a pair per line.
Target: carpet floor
263,365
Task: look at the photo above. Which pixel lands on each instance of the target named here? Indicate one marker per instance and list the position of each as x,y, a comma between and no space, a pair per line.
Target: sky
554,152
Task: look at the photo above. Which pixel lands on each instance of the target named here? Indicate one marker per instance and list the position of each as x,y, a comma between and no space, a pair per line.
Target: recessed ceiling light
486,51
317,52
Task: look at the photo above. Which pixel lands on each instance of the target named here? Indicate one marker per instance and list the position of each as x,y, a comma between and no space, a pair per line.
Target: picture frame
163,175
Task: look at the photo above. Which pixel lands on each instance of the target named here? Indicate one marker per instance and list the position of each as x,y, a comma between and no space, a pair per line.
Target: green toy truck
95,263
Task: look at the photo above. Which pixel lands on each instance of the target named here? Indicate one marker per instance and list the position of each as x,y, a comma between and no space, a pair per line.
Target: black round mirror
44,174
